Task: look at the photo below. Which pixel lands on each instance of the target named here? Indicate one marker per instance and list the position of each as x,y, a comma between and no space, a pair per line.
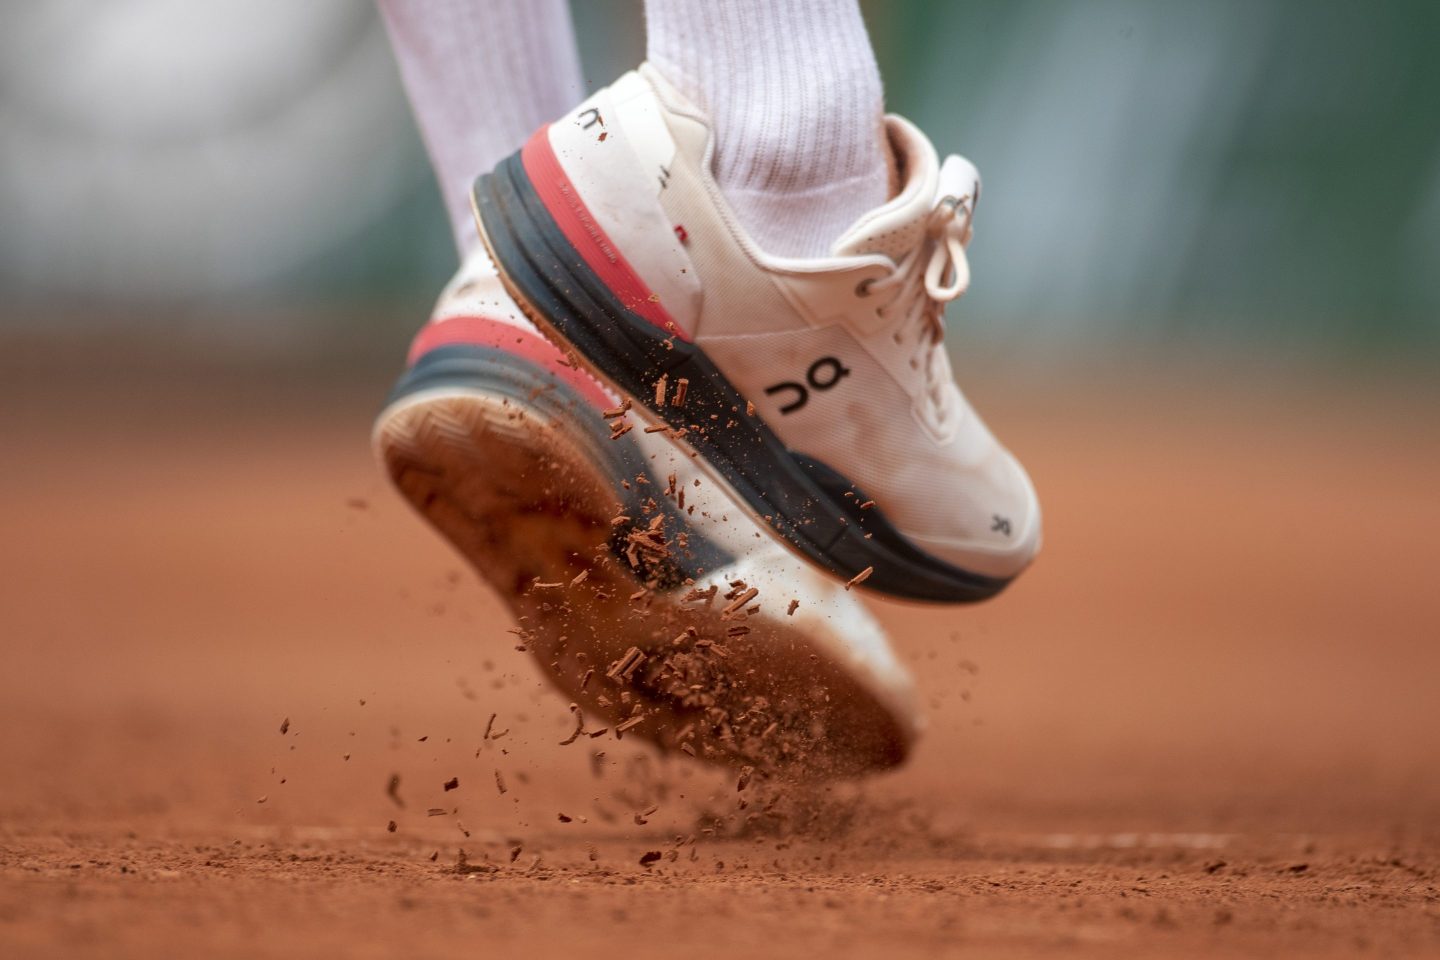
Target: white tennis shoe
818,391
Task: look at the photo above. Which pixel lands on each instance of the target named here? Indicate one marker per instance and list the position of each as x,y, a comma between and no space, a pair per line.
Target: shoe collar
899,225
888,231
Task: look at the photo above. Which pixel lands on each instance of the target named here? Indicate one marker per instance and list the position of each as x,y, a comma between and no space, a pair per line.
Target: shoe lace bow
929,276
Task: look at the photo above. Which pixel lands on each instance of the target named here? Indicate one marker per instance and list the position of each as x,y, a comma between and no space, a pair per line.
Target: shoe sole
804,502
527,492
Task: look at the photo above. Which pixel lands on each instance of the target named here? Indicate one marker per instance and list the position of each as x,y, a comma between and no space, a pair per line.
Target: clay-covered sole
520,495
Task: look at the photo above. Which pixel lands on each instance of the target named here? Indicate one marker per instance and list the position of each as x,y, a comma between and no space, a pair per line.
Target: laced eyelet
862,289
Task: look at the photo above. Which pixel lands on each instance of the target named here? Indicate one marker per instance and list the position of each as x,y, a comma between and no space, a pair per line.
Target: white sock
482,75
794,92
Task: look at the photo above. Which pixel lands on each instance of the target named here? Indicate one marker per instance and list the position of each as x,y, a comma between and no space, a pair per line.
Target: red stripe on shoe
563,201
518,342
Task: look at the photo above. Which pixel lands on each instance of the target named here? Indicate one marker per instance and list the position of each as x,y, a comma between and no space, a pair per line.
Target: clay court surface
1204,725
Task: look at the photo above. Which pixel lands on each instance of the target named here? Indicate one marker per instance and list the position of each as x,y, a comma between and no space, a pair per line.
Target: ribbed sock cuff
794,94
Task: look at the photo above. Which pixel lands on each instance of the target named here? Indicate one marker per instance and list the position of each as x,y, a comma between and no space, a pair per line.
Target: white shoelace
923,292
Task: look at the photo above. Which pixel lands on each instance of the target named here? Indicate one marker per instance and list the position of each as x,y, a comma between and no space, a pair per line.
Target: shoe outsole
807,504
527,499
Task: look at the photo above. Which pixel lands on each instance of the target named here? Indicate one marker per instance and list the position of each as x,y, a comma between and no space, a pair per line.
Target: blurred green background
1262,176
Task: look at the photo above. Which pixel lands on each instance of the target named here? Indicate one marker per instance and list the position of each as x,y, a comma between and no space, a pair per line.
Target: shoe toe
991,523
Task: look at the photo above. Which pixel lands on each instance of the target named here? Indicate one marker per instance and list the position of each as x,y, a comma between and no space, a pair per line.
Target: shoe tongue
897,226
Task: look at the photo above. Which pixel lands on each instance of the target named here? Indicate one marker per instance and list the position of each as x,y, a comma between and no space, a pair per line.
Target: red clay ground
1205,724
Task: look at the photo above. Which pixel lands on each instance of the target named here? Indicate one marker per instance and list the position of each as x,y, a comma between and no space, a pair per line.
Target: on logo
822,375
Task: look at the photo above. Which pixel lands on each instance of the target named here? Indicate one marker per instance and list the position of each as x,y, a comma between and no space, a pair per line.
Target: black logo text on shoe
822,375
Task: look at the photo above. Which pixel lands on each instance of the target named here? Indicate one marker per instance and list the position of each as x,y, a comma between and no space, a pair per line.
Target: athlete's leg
794,93
481,75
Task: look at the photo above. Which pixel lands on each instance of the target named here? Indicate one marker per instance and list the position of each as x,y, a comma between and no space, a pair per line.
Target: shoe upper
843,356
